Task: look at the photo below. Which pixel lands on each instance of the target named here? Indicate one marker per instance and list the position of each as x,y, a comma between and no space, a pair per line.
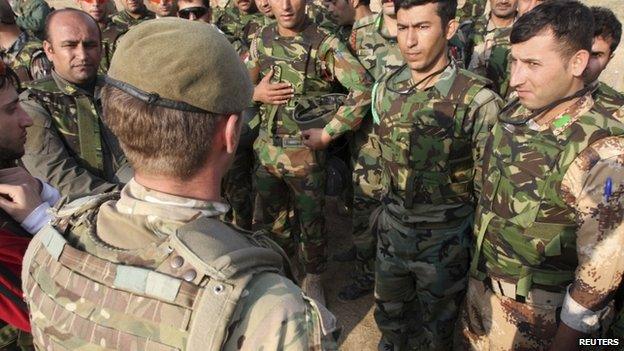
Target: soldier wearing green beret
431,119
133,13
152,266
68,145
20,50
290,61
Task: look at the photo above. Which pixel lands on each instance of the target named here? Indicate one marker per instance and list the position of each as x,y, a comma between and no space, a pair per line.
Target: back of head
571,23
446,8
169,83
607,26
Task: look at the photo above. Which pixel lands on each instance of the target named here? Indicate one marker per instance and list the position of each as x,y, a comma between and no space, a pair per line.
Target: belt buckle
291,142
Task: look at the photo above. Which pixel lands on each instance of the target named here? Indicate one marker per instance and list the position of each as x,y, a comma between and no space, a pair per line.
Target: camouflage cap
7,16
181,64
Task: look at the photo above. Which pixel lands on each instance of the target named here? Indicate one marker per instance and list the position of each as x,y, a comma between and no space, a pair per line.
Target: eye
423,26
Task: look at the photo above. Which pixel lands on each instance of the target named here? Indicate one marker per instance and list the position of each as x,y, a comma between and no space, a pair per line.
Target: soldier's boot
312,286
347,255
362,285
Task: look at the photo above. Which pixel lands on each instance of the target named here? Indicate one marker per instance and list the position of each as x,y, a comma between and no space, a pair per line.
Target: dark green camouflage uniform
431,146
379,53
125,21
31,15
68,145
27,59
314,61
111,32
471,9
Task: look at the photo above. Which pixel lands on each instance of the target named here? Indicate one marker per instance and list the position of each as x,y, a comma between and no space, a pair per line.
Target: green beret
181,64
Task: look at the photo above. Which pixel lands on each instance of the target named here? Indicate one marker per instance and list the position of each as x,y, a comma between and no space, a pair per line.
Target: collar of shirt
139,200
403,81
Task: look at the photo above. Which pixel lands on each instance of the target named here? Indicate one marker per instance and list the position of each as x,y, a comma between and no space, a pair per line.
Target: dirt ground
359,332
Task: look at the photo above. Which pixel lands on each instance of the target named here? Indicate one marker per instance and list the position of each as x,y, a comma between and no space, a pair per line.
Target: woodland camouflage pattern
125,21
26,58
314,61
68,146
534,238
239,26
470,9
485,45
379,53
110,34
68,310
431,146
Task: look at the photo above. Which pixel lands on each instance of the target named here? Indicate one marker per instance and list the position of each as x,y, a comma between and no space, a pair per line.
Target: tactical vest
179,293
525,231
427,154
296,61
79,127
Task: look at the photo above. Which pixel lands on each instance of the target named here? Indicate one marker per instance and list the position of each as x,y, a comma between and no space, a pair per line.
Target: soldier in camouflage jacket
133,13
431,119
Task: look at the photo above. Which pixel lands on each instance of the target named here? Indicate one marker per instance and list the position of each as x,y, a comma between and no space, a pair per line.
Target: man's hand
272,93
316,138
19,176
19,200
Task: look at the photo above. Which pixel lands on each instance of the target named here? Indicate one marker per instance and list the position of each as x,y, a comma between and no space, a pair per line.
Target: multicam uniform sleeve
47,158
594,187
482,114
275,315
341,64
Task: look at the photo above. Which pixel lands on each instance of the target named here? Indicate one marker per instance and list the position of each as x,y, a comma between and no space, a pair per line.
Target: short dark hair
446,8
9,77
570,21
51,15
365,2
607,26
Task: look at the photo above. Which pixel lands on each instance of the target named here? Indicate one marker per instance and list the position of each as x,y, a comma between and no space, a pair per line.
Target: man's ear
232,132
578,62
47,48
451,28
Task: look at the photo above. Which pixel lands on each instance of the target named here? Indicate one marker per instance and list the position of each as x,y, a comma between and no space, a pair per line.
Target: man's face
387,7
600,56
525,6
265,8
73,46
95,8
540,73
133,6
13,124
245,6
163,8
193,10
342,11
421,37
504,8
290,14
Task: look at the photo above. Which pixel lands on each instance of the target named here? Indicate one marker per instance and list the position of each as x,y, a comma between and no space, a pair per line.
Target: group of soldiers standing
479,158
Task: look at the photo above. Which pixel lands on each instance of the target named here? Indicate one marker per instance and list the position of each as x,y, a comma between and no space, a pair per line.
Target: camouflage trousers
306,196
237,188
489,321
367,192
420,281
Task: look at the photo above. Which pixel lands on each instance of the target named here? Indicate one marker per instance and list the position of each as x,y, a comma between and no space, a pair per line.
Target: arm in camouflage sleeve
47,158
599,211
275,316
353,76
482,114
40,67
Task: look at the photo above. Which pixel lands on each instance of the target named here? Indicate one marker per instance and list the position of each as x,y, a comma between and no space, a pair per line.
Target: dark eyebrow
14,101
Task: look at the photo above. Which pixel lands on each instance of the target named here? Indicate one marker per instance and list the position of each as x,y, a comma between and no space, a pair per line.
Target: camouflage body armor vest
77,120
526,234
296,61
179,293
427,155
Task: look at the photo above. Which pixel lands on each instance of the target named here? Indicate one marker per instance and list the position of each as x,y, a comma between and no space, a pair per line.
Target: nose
518,74
25,120
412,38
192,17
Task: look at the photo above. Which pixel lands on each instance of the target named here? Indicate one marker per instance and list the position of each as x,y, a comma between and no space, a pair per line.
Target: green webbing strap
485,222
376,118
89,133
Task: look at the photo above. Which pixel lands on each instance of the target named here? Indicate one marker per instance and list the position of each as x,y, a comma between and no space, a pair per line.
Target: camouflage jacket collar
401,80
558,123
17,45
139,200
71,89
383,31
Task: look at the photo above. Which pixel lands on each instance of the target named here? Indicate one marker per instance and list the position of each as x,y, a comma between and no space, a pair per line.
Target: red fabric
12,249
